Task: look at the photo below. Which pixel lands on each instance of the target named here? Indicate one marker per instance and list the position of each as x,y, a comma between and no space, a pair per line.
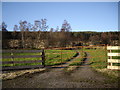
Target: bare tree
57,29
65,35
66,26
40,26
15,27
104,38
44,26
14,42
5,36
4,26
15,30
50,38
95,39
24,27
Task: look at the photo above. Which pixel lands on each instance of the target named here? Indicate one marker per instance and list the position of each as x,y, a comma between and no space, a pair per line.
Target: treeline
37,35
58,39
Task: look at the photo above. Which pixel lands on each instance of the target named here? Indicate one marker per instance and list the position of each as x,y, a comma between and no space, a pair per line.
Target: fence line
112,61
109,48
92,46
12,56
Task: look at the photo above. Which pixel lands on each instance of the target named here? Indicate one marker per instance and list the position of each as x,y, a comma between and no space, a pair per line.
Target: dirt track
83,77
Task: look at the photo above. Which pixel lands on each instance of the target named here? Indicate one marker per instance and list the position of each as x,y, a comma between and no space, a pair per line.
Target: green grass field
52,57
97,58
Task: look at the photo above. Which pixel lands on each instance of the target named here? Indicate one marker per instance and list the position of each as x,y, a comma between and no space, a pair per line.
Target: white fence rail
111,60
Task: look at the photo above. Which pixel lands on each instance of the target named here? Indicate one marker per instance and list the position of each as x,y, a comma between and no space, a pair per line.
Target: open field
53,57
98,58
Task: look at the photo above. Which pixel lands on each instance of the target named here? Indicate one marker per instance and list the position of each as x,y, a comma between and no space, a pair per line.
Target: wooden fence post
43,58
12,59
61,55
82,52
106,52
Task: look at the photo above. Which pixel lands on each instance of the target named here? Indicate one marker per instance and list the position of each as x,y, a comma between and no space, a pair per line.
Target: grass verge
98,61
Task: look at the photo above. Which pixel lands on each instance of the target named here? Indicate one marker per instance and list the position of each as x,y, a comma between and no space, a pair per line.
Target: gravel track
82,77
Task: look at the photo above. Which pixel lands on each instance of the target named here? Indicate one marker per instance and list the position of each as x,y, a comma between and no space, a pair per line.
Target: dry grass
12,75
109,72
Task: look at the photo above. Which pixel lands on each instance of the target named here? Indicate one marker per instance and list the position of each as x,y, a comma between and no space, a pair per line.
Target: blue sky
83,16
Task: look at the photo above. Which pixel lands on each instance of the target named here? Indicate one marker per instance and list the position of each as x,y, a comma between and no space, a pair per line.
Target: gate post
106,52
12,59
43,58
